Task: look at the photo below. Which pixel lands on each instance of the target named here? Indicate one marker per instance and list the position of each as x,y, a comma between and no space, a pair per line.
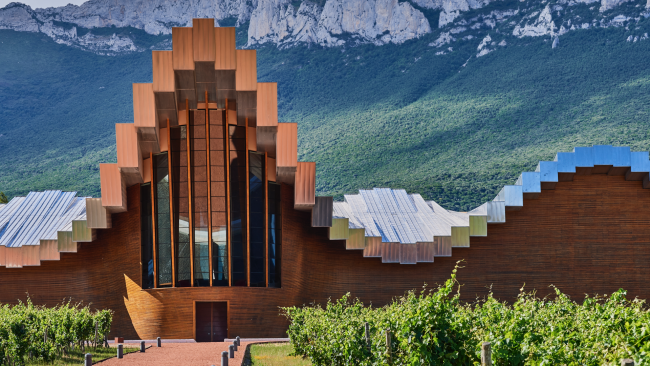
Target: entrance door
211,321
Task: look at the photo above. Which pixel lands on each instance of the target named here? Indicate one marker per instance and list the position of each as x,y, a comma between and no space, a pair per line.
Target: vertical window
181,200
146,229
199,172
275,235
256,219
238,178
218,200
163,224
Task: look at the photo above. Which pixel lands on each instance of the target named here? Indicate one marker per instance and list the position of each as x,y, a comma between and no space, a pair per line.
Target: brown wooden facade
590,235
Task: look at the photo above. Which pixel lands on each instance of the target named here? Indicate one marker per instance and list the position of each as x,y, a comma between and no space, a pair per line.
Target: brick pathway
173,354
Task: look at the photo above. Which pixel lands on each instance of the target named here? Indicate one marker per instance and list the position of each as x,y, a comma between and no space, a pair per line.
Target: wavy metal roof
41,216
406,219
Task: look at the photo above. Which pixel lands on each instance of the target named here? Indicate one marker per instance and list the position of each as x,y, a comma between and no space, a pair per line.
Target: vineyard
36,333
433,327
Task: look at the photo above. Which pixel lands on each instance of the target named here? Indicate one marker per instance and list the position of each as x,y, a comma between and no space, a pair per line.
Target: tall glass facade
238,178
181,204
146,227
256,206
200,217
215,220
219,236
275,235
163,219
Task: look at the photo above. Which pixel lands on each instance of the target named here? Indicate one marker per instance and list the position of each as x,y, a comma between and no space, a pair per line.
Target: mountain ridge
329,23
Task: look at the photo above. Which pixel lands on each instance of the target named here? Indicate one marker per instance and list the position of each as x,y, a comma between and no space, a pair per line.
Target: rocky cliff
327,23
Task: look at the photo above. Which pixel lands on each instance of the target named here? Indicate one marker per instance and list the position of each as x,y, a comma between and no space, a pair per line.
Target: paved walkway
174,354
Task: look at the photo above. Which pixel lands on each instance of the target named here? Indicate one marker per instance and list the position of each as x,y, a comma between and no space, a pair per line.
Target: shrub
433,327
40,333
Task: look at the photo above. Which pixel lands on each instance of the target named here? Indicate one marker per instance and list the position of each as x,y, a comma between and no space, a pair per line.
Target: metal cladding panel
513,197
496,212
246,75
36,214
267,104
321,213
204,45
357,240
163,139
271,173
583,159
31,255
14,257
251,139
144,106
225,40
97,217
390,252
639,167
129,159
182,48
530,184
3,255
373,247
548,176
64,204
112,187
566,166
339,229
460,237
478,225
49,250
266,139
426,252
163,72
408,253
146,170
81,233
287,145
65,243
604,158
305,186
622,160
443,244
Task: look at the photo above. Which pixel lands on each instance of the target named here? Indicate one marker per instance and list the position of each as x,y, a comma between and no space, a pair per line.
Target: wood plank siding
586,236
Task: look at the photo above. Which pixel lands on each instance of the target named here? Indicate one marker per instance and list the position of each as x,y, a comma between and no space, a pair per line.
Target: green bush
40,333
433,327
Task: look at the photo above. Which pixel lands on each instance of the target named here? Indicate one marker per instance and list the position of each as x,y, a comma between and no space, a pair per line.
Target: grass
76,356
275,354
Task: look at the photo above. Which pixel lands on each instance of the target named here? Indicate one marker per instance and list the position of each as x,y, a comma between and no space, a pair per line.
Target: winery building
208,223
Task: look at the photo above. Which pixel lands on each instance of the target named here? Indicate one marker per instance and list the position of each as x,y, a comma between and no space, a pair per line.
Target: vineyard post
96,325
368,336
486,354
627,362
389,348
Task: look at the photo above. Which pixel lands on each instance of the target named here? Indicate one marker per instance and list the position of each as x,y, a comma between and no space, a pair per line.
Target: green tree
3,198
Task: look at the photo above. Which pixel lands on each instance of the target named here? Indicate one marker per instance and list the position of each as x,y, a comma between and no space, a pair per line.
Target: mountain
449,99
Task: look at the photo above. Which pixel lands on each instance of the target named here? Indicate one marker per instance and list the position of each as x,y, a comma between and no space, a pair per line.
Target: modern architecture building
208,223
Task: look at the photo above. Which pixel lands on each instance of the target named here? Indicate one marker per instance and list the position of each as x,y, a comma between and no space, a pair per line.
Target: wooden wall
586,236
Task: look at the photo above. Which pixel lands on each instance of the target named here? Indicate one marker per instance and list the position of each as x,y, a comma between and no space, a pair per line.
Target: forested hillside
447,124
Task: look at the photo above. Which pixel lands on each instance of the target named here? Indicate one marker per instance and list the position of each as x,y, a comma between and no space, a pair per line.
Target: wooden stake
486,354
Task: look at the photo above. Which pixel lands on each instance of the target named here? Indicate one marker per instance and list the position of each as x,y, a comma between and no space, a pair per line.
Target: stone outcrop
542,26
375,21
